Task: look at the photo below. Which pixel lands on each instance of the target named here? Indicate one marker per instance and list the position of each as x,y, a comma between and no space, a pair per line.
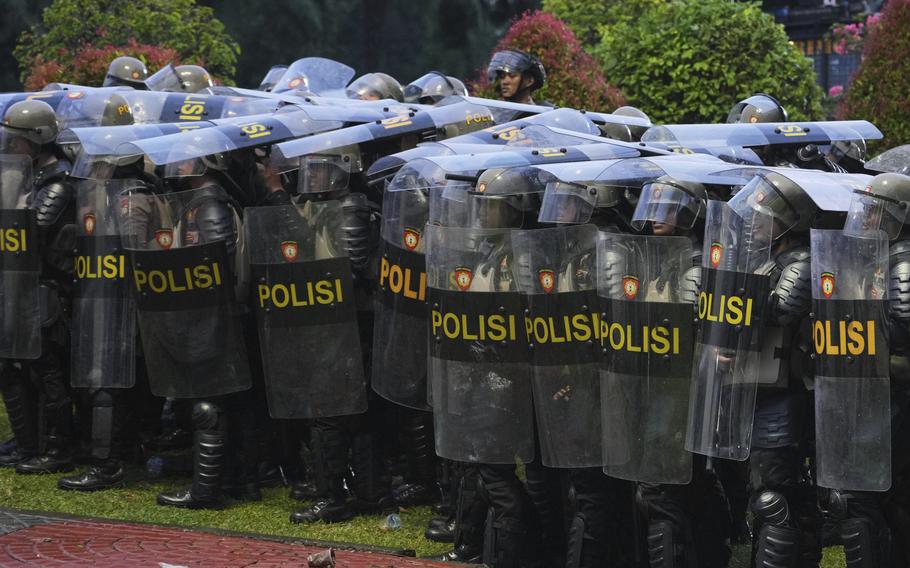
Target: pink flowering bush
849,37
573,77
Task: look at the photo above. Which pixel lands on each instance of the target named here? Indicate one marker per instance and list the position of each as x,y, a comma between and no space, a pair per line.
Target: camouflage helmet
34,120
193,78
126,71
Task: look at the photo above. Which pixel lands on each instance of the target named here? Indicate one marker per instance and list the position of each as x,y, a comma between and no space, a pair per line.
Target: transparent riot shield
104,311
303,298
850,338
182,249
478,350
400,374
20,262
648,337
556,272
731,308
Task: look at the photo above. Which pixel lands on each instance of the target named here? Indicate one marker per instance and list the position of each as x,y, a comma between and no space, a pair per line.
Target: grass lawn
270,516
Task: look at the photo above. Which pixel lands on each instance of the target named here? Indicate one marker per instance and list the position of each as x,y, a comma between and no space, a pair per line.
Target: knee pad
776,547
865,546
771,508
206,415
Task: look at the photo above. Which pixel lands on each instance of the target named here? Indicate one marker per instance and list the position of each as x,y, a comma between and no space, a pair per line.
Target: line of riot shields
669,316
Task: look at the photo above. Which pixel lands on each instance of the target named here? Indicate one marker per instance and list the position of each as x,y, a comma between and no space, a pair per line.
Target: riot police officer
30,128
336,177
432,88
516,75
687,523
193,78
126,71
374,87
869,521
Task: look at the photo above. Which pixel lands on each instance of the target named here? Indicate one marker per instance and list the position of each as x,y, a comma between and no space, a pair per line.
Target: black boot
56,458
470,518
208,463
330,451
106,475
21,408
371,480
417,442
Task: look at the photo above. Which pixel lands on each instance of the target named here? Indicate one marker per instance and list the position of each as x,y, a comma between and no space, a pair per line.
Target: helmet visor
871,215
321,173
507,62
668,204
191,167
565,202
165,79
760,195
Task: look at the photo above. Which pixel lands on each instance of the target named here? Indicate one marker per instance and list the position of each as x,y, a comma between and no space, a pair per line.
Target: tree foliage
692,60
573,76
878,91
588,18
71,29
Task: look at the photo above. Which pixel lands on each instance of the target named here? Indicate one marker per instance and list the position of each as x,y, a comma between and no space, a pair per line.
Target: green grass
269,517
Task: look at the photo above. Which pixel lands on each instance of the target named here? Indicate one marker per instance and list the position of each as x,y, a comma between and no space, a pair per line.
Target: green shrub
692,60
878,91
70,28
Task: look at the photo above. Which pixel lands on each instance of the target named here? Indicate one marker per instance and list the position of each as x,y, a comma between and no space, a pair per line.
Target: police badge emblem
164,238
289,250
411,238
827,284
716,253
462,278
630,287
88,221
547,279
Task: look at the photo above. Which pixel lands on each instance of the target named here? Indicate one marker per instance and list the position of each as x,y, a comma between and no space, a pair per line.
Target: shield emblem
547,280
463,277
630,287
411,238
295,82
89,223
289,250
75,94
827,284
717,253
164,238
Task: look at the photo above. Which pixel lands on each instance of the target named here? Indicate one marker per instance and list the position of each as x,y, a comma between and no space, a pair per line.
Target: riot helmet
126,72
757,108
880,208
324,173
575,202
28,125
506,198
625,132
848,153
781,198
669,201
375,86
272,77
513,61
432,88
193,78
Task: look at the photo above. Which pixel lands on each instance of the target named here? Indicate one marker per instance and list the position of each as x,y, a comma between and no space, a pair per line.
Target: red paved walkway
38,540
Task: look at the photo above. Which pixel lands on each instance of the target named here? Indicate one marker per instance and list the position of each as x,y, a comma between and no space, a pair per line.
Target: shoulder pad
899,248
50,201
798,253
58,169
